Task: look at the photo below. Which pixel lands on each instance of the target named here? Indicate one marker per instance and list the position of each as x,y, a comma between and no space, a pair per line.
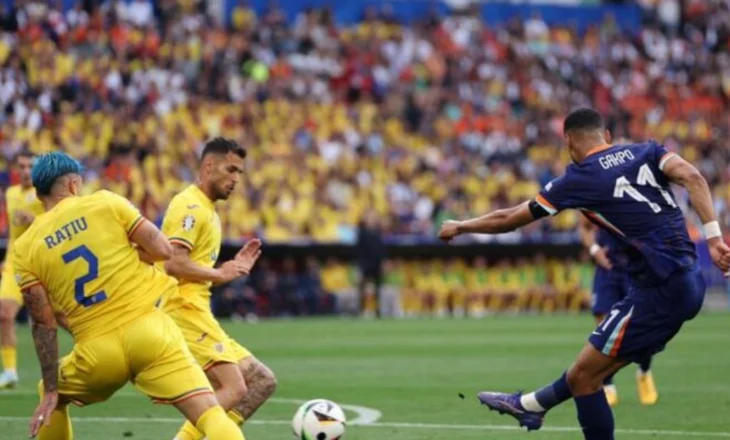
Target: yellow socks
9,355
59,428
217,426
236,417
190,432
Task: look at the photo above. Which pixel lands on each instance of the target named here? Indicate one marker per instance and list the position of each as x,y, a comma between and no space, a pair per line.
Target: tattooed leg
261,384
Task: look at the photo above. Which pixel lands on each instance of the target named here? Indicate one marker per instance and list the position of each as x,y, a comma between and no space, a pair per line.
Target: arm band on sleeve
537,211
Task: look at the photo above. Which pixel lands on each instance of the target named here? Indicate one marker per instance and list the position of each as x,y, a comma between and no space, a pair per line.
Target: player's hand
249,254
601,258
720,253
230,270
42,415
23,218
449,230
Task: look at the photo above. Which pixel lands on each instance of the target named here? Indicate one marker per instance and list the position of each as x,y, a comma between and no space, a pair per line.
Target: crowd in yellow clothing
456,287
337,120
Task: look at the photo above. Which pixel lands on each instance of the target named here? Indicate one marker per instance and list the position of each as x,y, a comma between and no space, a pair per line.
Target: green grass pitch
412,371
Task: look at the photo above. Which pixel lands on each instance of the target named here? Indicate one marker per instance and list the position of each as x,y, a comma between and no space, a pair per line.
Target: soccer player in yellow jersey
87,261
22,207
242,382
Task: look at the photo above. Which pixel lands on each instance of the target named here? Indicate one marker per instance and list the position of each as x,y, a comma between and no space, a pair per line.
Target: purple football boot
510,404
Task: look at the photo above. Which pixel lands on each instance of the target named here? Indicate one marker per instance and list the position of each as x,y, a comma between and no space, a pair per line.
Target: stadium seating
339,118
422,121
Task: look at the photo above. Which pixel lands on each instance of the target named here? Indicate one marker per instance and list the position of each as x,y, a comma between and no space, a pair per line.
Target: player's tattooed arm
496,222
153,245
44,331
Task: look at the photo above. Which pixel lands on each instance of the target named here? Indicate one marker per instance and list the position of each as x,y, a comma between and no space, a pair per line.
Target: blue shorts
641,324
609,287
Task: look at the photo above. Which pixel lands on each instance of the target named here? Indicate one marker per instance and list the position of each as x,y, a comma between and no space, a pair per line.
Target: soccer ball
319,419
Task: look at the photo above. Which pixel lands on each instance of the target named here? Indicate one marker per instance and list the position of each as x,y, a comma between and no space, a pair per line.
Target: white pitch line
647,432
365,415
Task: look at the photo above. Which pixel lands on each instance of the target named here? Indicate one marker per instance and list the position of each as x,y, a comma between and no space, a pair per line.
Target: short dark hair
23,153
221,145
583,119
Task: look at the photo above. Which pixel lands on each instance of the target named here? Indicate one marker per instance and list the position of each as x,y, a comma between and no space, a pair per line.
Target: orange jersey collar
598,149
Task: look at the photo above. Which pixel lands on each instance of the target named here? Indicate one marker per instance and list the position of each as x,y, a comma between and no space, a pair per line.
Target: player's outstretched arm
44,330
496,222
685,174
181,266
153,245
587,232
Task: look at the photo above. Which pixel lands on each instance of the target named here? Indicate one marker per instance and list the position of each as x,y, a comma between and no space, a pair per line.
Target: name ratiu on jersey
615,159
66,232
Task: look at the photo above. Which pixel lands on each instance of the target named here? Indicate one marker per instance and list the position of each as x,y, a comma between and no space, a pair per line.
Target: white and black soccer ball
319,419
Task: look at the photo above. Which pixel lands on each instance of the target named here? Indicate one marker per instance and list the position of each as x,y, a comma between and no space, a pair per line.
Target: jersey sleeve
127,214
24,273
560,194
662,156
182,224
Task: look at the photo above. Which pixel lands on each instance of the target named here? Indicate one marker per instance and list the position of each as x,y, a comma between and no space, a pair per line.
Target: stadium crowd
411,288
444,117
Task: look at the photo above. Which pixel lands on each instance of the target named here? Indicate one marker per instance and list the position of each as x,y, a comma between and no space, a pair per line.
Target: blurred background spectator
370,251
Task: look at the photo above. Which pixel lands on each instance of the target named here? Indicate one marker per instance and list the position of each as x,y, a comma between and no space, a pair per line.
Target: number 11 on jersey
645,177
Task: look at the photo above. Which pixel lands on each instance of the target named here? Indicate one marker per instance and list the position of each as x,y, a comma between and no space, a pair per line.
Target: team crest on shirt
18,279
214,256
218,347
188,223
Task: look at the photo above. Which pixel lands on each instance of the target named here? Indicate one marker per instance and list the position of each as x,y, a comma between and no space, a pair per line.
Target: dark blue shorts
609,287
643,323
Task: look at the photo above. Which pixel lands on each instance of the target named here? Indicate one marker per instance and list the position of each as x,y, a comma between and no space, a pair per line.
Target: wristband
712,230
594,249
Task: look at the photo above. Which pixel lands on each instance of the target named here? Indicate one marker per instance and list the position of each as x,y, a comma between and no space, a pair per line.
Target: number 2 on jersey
645,177
85,254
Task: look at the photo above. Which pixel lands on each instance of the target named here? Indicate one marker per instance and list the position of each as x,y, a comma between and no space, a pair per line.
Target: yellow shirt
19,199
335,278
81,252
191,221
